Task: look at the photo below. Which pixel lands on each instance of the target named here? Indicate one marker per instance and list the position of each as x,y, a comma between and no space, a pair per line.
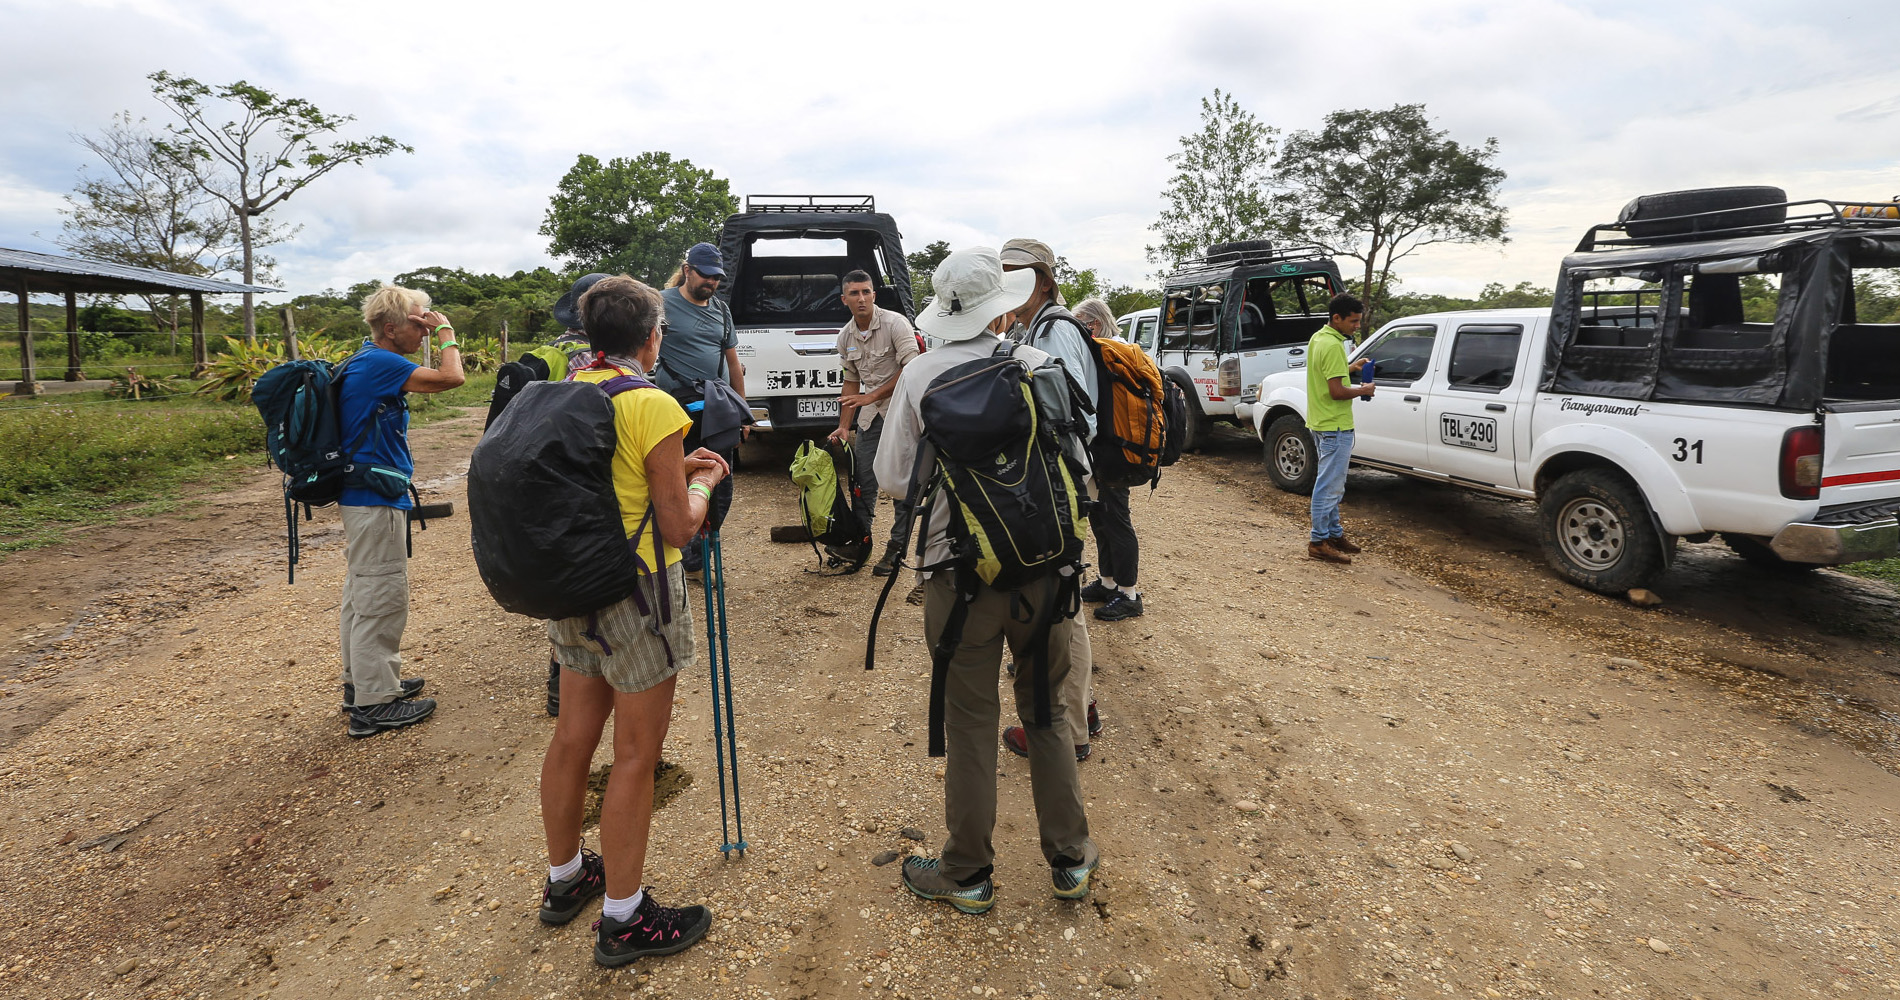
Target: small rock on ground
883,858
1237,978
1659,946
1119,979
1644,598
911,833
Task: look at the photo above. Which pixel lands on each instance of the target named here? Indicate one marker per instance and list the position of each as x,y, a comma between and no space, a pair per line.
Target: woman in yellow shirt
623,660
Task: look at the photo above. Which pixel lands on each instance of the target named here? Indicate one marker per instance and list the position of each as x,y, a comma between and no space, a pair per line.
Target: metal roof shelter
25,273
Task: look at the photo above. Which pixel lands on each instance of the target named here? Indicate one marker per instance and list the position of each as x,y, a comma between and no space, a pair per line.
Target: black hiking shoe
1119,608
654,930
562,901
1095,593
887,564
924,877
370,720
410,687
554,688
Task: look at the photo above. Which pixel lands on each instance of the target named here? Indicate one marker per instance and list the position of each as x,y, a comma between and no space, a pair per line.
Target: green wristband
704,491
439,329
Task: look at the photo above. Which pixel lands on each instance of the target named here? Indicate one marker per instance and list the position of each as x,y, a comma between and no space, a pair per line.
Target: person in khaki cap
1043,323
973,291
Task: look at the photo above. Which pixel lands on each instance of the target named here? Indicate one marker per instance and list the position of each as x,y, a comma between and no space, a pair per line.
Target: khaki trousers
375,601
972,712
1079,686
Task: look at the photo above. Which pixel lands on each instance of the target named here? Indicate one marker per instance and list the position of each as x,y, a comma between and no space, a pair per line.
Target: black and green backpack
822,473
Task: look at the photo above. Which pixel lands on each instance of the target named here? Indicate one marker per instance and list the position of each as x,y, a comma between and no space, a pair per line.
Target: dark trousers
721,498
864,457
1117,551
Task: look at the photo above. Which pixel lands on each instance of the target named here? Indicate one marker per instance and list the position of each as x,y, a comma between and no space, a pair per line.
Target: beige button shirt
875,356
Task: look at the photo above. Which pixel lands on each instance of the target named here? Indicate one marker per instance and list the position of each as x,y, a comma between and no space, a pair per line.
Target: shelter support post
290,336
504,341
199,360
73,374
28,385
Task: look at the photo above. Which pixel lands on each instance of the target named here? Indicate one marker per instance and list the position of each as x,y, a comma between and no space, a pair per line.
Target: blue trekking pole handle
712,661
725,669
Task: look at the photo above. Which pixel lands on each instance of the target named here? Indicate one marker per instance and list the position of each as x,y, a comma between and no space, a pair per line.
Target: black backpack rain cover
544,517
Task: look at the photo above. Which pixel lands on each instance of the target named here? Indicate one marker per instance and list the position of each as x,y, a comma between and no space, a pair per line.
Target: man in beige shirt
874,347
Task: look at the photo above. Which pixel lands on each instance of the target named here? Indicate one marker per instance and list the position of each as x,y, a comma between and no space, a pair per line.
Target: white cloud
979,123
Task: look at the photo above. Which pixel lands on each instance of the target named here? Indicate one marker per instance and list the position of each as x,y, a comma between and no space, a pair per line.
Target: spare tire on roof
1237,246
1758,205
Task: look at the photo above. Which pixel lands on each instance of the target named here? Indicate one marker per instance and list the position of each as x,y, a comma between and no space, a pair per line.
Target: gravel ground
1438,772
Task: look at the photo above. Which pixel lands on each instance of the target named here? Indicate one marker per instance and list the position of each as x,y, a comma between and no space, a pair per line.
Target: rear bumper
1830,544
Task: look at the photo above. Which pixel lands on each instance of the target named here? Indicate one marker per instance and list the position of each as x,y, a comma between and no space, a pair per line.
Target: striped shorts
618,644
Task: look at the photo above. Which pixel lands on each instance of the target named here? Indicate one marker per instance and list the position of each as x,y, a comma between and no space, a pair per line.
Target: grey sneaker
410,687
1072,877
368,721
924,876
562,901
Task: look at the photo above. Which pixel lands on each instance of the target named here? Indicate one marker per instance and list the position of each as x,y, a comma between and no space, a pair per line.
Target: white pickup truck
785,258
1706,368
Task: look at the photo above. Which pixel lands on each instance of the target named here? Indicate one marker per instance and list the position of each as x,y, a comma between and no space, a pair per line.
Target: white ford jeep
1716,361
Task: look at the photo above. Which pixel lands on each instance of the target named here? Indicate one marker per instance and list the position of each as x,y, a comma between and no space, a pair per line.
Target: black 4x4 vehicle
1242,312
786,256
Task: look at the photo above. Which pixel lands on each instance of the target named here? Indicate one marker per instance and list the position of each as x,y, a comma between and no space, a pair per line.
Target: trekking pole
725,669
720,662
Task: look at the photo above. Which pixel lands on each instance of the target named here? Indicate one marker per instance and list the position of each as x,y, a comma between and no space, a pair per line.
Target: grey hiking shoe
1071,877
925,877
370,720
410,687
562,901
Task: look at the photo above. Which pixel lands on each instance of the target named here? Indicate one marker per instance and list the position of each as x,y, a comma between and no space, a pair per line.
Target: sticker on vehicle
804,378
1480,433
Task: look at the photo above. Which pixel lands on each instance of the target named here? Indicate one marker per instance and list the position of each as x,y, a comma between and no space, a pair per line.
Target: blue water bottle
1366,376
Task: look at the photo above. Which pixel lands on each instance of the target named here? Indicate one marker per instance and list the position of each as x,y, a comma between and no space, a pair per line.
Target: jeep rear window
1863,358
1280,312
1483,356
1190,318
1618,312
796,279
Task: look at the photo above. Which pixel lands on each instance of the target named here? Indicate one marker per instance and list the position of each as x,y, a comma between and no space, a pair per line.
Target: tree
276,147
148,211
636,216
1376,186
923,267
1221,186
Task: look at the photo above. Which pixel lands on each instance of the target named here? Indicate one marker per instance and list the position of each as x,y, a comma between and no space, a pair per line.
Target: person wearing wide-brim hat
973,292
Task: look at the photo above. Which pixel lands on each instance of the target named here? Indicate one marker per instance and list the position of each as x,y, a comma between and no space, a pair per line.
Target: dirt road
1439,772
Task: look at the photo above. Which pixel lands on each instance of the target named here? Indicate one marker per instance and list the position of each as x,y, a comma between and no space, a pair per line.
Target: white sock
1129,592
622,909
564,872
1108,583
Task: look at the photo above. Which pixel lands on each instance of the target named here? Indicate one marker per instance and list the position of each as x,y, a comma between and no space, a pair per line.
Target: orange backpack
1130,417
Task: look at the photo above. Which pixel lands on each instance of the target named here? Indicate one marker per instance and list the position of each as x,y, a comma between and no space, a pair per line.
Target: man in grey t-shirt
700,343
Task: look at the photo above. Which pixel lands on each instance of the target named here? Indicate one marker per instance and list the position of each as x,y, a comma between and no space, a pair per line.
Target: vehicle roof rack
1241,258
1809,215
810,203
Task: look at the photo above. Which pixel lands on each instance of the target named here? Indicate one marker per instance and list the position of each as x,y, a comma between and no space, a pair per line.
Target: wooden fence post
199,360
290,335
73,374
504,342
28,385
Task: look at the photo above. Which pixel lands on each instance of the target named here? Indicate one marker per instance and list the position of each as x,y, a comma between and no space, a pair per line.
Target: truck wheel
1746,206
1194,435
1761,556
1596,531
1292,459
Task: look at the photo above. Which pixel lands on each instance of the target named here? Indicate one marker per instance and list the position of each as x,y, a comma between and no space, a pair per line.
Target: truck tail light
1801,463
1228,378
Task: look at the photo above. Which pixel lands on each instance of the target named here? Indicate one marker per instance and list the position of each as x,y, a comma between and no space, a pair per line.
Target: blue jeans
1329,483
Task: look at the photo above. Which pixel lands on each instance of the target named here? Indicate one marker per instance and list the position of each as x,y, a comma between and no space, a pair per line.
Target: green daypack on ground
824,502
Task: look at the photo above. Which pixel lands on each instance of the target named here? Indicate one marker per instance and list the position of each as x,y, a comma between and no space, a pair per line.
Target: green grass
1885,570
80,458
83,460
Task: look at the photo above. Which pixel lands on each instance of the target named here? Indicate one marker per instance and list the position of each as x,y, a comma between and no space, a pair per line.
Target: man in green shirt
1329,398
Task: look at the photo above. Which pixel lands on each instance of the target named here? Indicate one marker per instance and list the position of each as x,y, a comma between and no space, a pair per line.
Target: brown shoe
1339,542
1325,551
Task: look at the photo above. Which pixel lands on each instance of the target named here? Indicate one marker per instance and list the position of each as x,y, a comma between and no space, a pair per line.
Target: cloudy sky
970,122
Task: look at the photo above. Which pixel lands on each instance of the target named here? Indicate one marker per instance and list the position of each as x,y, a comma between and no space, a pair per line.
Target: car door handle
1415,399
1494,407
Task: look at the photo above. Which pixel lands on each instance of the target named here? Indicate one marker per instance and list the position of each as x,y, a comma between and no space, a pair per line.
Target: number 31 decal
1684,447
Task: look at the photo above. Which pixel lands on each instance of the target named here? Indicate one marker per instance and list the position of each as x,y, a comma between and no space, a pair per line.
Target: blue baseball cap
704,258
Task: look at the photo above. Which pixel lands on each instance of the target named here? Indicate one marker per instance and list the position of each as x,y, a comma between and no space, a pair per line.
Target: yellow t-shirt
642,419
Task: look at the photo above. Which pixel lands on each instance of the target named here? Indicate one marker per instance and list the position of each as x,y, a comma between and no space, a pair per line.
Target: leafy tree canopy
635,216
1221,187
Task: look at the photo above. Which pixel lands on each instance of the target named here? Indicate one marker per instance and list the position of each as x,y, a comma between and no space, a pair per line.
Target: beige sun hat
1020,253
972,289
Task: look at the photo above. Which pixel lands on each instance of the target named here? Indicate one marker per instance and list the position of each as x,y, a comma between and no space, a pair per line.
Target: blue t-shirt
697,338
376,376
